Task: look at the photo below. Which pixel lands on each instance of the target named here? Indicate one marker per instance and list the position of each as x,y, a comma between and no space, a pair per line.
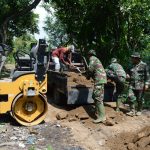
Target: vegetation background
113,28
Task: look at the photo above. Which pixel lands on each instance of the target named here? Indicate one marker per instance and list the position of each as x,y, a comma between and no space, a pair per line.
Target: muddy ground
71,128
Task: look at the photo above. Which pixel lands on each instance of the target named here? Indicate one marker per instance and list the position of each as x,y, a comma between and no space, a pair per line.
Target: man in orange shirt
59,54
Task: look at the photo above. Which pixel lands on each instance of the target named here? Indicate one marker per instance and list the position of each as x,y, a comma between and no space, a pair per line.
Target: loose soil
79,79
117,133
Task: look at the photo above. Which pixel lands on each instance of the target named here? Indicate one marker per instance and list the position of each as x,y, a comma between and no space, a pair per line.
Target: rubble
82,116
40,137
61,115
109,122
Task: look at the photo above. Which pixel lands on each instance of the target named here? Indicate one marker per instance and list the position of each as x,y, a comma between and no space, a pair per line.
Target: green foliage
23,42
13,22
49,148
23,25
114,28
55,30
10,59
32,148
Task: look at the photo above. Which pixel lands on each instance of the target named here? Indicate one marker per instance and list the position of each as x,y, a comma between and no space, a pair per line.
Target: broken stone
32,131
21,145
101,142
62,115
82,116
109,123
13,138
3,129
131,146
72,119
112,115
143,142
58,125
141,135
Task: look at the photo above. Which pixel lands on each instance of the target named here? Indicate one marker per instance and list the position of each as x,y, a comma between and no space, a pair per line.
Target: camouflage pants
136,97
98,93
119,90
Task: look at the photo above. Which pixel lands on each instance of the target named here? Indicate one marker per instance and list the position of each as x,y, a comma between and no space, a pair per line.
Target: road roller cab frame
24,94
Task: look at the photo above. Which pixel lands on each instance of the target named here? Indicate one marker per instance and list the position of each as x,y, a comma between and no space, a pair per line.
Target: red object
60,53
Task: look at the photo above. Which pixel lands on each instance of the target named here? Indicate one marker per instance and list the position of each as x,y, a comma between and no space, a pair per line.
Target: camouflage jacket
139,76
116,70
97,71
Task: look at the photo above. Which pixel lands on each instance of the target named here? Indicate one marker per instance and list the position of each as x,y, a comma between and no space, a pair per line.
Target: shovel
77,68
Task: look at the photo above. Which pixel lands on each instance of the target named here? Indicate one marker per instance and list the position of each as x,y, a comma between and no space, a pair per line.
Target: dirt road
71,128
118,132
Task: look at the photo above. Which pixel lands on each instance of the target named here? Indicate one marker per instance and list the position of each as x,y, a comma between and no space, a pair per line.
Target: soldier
116,73
97,72
139,82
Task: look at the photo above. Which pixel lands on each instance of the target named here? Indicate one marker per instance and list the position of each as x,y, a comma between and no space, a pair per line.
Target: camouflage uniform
98,74
117,74
139,77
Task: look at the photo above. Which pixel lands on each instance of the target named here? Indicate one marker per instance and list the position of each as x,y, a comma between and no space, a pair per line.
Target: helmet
71,47
92,52
113,60
136,55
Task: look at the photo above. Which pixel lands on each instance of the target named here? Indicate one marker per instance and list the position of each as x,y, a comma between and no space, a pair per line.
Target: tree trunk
3,33
4,25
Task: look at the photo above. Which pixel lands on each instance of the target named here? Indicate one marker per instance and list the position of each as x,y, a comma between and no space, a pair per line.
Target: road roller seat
24,62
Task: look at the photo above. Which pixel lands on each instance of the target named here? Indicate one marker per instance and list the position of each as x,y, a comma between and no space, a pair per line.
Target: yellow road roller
24,95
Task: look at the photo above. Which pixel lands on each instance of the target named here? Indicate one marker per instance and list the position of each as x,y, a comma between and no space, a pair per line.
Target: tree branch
22,12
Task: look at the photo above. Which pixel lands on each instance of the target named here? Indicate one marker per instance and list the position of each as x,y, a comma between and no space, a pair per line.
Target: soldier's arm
90,68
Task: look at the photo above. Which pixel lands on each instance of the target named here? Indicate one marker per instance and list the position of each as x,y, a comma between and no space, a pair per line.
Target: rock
72,119
13,138
3,130
32,131
112,115
143,142
147,147
116,122
58,125
142,134
21,145
109,123
62,115
131,146
101,142
82,116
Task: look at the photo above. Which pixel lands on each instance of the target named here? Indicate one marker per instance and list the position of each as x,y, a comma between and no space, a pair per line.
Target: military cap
113,60
136,55
92,52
